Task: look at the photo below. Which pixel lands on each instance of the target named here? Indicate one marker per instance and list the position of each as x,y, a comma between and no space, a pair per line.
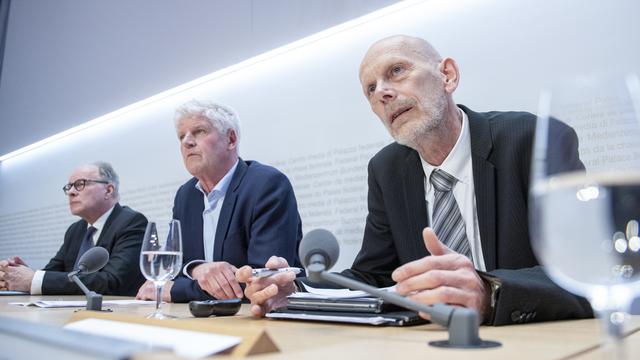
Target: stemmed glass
161,259
585,212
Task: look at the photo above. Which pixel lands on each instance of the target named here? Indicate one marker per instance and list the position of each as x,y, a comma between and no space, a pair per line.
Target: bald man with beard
447,202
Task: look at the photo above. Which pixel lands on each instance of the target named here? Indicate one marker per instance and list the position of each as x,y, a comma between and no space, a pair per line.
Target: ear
233,139
110,189
450,74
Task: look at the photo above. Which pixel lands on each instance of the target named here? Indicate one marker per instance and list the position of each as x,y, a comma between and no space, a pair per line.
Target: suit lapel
484,184
104,238
227,210
80,228
416,206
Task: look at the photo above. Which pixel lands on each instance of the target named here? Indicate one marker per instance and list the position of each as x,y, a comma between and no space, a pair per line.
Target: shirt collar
221,187
99,224
454,163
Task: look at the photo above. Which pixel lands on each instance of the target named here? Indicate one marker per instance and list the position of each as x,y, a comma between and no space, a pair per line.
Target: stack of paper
321,293
341,305
81,303
12,292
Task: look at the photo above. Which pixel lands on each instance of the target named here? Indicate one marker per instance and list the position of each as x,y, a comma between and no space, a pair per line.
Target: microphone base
94,301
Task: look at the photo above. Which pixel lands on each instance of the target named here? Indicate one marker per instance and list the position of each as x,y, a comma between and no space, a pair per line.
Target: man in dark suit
464,174
93,195
233,212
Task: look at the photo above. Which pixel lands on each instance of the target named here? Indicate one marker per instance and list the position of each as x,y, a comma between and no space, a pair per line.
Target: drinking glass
585,211
161,259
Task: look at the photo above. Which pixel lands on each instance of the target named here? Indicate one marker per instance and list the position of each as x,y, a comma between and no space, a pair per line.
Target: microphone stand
94,300
461,323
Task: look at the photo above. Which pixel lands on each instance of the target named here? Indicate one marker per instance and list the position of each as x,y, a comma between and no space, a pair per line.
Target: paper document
11,292
192,344
81,303
321,293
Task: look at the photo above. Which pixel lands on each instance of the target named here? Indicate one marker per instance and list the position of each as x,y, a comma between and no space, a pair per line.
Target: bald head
409,87
418,48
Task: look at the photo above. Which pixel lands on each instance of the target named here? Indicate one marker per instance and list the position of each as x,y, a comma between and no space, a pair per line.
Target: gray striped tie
447,220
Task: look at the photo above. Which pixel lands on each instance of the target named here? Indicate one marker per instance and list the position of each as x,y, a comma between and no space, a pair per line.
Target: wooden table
577,339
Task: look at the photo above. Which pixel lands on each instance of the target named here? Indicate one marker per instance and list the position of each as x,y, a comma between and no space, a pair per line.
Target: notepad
191,344
12,292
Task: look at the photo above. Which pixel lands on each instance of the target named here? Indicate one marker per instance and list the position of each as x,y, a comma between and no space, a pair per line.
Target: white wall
303,111
67,61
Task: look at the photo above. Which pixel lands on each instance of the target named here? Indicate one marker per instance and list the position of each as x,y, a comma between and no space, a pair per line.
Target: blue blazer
259,218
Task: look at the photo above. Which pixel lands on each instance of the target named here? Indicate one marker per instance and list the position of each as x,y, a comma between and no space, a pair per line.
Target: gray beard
411,134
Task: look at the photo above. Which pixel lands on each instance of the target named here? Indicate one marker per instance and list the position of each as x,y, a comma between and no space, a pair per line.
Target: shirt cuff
36,282
186,270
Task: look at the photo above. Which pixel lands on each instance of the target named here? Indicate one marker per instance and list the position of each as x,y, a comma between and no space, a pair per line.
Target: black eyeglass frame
80,184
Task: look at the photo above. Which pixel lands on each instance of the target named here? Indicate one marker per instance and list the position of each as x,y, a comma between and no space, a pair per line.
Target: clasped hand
15,274
148,291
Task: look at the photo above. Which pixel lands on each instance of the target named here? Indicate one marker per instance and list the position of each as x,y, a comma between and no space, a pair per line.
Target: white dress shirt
210,216
38,276
458,164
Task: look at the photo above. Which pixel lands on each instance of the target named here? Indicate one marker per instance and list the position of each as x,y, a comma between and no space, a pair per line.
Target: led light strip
217,74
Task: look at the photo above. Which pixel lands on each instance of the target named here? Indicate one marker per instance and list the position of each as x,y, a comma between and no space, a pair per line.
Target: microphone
319,251
91,261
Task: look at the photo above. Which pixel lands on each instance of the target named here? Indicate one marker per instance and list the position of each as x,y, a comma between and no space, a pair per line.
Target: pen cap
319,242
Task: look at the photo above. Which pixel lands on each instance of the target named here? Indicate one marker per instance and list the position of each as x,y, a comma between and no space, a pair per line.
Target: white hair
107,173
222,117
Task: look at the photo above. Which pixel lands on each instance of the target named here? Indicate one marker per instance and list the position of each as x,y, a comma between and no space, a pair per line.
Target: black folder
364,304
390,318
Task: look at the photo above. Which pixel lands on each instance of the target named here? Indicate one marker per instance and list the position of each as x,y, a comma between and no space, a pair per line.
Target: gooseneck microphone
91,261
319,251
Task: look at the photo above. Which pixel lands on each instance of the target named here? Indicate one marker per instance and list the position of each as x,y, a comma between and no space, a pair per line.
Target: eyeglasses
80,184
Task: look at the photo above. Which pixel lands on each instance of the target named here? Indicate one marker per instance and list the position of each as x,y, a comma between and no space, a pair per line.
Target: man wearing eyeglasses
93,196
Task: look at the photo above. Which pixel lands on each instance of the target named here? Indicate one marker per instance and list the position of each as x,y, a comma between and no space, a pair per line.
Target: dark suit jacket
122,237
501,145
259,218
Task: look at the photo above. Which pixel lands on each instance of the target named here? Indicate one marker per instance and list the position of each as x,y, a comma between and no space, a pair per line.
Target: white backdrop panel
303,111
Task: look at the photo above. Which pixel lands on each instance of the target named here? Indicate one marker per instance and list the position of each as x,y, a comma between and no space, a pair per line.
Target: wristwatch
494,284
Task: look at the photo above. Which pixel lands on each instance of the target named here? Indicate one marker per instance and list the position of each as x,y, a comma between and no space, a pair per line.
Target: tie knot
441,180
90,231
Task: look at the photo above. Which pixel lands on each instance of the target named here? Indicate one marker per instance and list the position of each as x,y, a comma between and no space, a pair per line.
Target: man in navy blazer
233,212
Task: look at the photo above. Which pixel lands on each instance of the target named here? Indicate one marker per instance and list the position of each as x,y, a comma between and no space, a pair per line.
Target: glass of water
585,194
161,259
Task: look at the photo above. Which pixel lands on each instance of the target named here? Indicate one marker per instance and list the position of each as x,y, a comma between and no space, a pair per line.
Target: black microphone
319,251
91,261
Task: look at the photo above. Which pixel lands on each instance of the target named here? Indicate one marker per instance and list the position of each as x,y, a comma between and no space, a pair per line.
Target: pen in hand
264,272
